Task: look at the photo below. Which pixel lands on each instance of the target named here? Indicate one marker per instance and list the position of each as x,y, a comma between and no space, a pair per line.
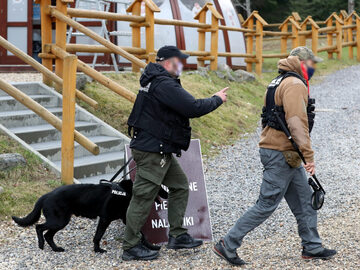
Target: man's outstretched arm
178,99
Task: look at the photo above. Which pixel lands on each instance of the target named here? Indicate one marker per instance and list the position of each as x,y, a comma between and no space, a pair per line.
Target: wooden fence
342,27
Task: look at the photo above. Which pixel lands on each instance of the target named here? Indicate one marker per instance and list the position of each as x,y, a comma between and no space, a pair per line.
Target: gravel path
233,180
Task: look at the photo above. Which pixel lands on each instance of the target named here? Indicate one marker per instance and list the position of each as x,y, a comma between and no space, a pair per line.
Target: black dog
109,201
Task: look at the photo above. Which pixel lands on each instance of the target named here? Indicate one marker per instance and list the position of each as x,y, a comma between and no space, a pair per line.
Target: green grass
23,185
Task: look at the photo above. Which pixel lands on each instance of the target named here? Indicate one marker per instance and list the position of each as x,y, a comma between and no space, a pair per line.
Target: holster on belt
292,158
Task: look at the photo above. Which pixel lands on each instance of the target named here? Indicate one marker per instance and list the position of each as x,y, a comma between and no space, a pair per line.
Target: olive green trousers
150,175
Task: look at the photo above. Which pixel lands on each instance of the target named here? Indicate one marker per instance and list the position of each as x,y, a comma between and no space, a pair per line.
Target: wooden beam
150,35
201,16
97,38
60,36
122,91
46,115
46,37
73,48
110,16
68,120
42,69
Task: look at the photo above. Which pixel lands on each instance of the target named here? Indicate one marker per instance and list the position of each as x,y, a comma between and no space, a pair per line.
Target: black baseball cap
167,52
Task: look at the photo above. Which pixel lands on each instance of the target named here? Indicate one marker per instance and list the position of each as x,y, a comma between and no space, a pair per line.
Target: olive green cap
305,53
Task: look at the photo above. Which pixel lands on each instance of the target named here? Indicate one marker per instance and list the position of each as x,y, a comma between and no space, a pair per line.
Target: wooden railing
253,28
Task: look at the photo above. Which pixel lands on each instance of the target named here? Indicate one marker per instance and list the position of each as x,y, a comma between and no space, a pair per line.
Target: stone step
90,166
33,88
52,149
46,132
8,103
19,118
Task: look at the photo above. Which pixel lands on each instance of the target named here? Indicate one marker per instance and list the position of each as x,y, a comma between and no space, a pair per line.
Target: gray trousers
279,180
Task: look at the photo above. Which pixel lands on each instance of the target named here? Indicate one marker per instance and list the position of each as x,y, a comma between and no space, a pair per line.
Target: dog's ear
127,185
163,193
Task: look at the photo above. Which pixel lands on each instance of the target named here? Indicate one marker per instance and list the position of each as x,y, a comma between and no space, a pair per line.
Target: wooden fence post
260,23
249,24
150,8
357,36
338,23
60,35
284,27
349,34
314,33
68,122
329,23
46,36
295,34
135,9
343,15
201,17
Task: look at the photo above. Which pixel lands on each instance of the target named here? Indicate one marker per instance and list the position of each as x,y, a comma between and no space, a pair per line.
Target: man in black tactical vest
284,176
159,126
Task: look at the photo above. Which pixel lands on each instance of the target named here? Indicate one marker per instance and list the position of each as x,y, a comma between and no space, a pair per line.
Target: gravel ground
233,180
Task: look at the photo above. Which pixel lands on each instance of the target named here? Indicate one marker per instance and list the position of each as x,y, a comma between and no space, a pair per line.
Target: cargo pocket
270,195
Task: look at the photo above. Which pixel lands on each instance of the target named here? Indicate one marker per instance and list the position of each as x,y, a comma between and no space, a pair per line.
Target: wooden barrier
48,74
46,115
68,119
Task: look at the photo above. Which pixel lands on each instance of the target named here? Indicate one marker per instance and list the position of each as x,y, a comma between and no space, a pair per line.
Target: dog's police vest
160,121
268,116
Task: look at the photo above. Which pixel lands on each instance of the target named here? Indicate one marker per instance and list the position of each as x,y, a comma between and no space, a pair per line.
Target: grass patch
23,185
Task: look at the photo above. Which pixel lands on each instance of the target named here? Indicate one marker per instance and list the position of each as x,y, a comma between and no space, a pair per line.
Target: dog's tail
33,217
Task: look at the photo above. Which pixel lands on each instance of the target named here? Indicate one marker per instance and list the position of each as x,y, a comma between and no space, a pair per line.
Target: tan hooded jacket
292,94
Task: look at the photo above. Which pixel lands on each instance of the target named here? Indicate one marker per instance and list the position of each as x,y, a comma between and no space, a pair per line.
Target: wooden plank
315,39
338,39
229,28
44,70
68,120
46,37
214,42
230,54
327,48
259,47
276,55
111,16
136,32
150,39
329,23
357,38
249,44
112,85
283,42
97,38
73,48
46,115
60,36
201,16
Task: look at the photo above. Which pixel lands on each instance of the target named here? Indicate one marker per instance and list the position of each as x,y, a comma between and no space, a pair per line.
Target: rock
203,71
242,75
8,161
230,76
1,190
220,74
82,80
224,67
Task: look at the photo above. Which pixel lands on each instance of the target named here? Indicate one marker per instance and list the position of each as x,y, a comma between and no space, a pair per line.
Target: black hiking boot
183,241
231,257
325,254
139,252
149,245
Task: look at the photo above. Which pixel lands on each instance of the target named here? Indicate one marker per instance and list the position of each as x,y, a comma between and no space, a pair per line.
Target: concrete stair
45,141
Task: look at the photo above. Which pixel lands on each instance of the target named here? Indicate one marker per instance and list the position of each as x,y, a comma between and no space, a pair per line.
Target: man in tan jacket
284,176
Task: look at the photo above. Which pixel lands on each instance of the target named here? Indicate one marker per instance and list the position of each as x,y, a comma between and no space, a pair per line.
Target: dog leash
121,169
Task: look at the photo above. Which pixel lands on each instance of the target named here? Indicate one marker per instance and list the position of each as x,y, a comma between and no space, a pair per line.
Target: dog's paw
58,249
100,250
41,245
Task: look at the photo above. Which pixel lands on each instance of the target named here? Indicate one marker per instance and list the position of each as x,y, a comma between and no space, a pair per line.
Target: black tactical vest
268,116
160,121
